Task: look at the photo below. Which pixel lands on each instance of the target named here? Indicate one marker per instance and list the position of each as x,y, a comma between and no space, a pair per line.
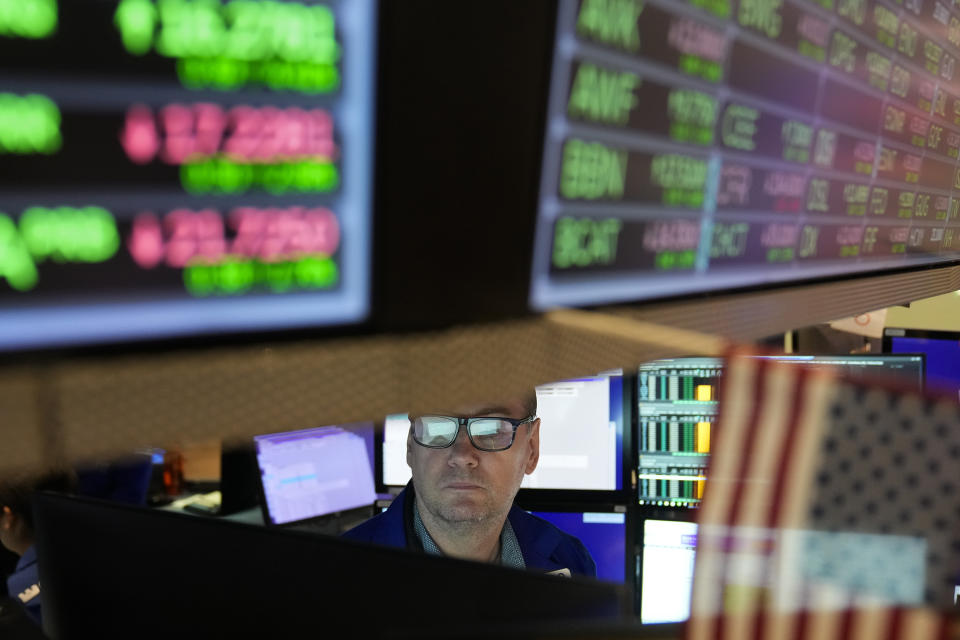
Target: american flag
831,509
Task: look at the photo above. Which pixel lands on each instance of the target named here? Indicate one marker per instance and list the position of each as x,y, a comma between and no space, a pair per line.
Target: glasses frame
466,422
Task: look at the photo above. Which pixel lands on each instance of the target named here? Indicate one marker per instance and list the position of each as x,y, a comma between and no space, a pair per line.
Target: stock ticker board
179,166
708,144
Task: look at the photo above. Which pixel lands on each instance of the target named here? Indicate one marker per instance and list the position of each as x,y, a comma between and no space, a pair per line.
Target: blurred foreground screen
713,144
173,167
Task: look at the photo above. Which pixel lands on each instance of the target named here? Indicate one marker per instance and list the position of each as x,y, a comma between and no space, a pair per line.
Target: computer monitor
696,148
677,408
604,533
581,437
942,351
181,172
665,570
126,571
315,472
393,447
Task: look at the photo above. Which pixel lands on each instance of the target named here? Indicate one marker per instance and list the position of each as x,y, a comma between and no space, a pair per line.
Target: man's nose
462,451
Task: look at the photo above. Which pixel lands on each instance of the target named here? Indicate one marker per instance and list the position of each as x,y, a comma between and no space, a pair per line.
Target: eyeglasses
486,434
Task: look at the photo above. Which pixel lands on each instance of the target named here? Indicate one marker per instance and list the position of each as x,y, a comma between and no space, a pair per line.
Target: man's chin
464,511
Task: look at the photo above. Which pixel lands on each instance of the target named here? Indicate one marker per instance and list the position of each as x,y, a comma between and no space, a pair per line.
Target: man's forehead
510,408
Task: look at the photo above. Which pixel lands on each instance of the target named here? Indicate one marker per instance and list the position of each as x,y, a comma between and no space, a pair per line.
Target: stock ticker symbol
139,136
145,242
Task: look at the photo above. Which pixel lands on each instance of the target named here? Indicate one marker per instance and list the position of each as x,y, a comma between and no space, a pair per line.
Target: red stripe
783,468
846,624
758,397
787,457
759,623
895,626
943,633
803,624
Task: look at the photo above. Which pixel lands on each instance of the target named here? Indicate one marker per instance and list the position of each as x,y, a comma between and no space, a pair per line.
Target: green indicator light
613,22
669,260
200,279
784,254
762,15
280,276
16,264
66,234
137,21
236,275
692,116
218,175
585,242
603,96
28,18
592,170
718,7
316,273
29,124
729,240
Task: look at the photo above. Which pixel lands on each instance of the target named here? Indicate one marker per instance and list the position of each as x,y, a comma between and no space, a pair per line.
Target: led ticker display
180,166
689,143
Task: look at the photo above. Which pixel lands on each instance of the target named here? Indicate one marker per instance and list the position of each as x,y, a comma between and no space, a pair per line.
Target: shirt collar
510,553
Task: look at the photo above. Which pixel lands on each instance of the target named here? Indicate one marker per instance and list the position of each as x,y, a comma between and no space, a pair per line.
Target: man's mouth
463,486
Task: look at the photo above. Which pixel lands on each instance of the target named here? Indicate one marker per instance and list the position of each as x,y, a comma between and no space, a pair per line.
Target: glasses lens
491,434
434,431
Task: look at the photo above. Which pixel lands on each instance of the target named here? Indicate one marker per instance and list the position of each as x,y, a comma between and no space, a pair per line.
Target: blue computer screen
603,533
943,360
313,472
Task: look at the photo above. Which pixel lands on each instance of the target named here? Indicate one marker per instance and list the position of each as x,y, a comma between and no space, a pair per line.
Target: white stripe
920,624
821,389
749,566
708,579
870,624
824,624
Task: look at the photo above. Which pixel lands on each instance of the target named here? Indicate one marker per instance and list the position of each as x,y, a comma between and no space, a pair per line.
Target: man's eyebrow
493,411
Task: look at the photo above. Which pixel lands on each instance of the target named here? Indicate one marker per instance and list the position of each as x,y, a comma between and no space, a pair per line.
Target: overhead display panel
717,144
176,167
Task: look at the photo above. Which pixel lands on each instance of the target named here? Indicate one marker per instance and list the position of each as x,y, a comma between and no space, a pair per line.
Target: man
467,467
17,535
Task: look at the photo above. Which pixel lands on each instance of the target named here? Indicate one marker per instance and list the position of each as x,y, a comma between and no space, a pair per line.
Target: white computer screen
581,437
315,472
669,549
396,472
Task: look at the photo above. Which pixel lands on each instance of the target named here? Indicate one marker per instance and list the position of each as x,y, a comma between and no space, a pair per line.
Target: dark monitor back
239,478
113,571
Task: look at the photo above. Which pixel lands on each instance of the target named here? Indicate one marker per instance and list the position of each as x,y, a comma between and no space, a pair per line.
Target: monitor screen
942,351
604,534
677,407
396,471
315,472
666,570
699,146
184,168
581,437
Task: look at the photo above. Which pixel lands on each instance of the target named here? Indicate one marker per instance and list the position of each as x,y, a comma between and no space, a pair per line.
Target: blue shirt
24,584
544,547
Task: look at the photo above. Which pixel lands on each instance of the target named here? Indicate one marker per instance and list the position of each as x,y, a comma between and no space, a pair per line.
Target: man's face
461,483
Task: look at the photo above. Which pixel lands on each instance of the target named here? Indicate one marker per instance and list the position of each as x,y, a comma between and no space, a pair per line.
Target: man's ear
6,518
410,448
534,443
